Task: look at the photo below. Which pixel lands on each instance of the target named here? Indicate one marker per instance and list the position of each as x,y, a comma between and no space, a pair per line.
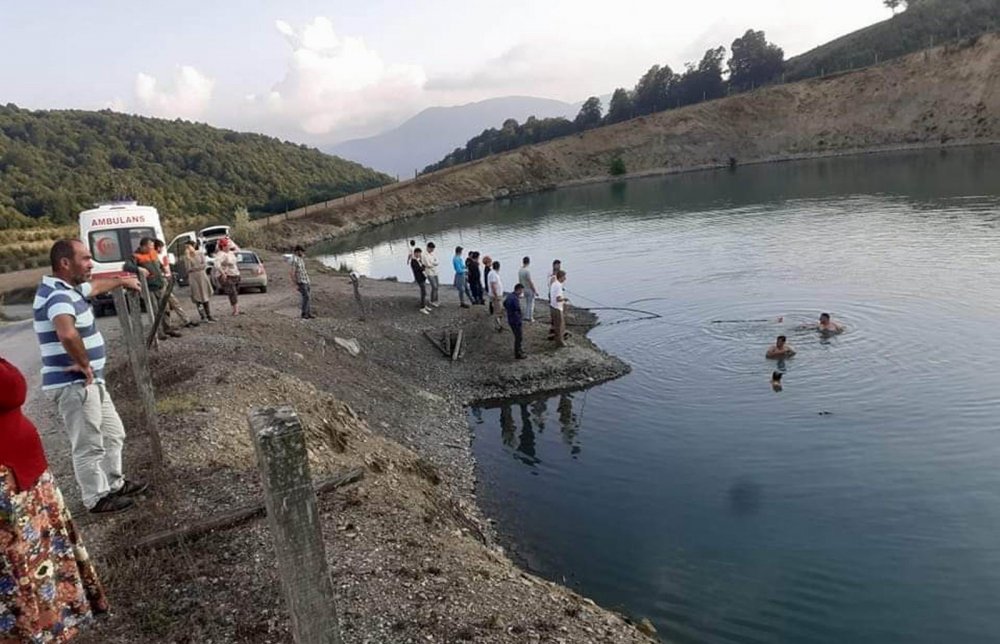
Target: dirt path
412,557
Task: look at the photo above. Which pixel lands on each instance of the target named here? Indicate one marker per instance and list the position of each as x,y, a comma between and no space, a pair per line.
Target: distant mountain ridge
436,131
55,163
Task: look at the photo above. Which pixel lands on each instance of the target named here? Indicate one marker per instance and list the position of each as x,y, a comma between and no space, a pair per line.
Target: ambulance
112,232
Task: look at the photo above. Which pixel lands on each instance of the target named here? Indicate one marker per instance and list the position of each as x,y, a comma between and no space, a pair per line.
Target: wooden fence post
129,311
149,302
356,283
161,310
279,441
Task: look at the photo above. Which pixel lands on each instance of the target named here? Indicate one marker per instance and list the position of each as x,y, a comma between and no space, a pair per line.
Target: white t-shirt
430,262
494,278
556,292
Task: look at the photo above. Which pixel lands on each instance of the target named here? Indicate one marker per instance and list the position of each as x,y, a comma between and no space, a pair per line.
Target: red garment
20,447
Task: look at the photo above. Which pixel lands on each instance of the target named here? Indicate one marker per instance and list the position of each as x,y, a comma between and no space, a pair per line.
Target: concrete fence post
279,441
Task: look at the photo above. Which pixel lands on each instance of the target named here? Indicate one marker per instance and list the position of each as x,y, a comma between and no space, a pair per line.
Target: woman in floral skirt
48,586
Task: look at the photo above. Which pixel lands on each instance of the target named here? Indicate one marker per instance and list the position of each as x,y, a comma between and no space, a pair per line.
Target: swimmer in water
826,326
780,350
776,380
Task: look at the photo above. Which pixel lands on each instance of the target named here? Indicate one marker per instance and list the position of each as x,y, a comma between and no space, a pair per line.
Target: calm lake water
860,504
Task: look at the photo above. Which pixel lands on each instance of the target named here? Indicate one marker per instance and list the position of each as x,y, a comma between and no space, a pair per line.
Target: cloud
337,83
188,97
520,66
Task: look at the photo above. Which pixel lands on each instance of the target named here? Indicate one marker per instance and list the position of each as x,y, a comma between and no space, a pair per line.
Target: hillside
943,96
922,25
436,131
55,163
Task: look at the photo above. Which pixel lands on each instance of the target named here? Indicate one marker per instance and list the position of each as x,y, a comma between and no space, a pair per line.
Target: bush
617,167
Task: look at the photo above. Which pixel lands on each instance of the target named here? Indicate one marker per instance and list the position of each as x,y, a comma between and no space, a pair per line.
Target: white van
112,233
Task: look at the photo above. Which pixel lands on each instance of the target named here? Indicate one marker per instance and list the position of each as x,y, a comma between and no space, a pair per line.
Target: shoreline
414,556
311,230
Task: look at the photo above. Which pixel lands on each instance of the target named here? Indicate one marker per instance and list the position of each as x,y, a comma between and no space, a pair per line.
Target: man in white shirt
430,262
557,304
496,296
530,292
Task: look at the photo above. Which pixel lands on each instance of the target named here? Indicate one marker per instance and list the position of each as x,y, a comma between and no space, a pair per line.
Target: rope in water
646,315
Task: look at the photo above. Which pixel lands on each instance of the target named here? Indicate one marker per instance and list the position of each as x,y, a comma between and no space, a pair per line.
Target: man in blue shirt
73,360
461,282
512,304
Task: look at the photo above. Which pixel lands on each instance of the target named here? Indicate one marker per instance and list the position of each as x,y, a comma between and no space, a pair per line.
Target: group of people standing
150,260
479,283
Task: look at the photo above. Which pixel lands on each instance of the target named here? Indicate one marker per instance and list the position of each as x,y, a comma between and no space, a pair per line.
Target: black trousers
423,294
518,331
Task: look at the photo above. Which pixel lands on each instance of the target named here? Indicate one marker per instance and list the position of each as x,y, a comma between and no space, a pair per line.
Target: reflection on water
520,422
862,503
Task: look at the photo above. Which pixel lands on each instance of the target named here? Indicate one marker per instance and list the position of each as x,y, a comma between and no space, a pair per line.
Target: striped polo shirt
56,297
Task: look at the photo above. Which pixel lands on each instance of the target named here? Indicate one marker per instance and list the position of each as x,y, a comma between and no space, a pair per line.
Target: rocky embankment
413,559
949,95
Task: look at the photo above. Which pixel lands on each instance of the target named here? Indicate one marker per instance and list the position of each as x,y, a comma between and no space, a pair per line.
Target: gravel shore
412,557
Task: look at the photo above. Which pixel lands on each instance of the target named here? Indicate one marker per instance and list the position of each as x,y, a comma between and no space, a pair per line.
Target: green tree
754,61
702,82
590,114
619,107
652,92
892,4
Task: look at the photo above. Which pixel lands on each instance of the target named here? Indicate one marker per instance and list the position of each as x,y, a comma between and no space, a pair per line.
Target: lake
859,504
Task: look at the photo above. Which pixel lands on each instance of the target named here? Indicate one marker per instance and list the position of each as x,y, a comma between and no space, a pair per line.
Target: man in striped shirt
73,360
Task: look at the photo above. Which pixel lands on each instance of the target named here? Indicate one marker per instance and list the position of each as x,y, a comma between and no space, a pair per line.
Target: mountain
923,24
436,131
948,95
55,163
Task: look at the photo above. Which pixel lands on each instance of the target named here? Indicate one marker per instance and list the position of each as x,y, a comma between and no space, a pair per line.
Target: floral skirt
48,586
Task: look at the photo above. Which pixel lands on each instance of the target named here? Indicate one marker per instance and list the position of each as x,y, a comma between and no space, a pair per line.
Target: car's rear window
212,232
247,258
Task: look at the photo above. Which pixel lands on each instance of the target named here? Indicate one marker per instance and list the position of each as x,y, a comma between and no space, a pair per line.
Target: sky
319,72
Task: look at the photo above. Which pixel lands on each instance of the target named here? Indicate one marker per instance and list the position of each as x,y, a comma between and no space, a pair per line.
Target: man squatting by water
73,360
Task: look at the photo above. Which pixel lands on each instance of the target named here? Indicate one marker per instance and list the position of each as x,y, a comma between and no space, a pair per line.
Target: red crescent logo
105,246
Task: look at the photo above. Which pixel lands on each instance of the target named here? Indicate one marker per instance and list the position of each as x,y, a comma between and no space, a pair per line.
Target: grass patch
180,404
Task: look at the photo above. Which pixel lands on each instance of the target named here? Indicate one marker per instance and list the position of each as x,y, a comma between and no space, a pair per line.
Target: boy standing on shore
461,281
417,266
430,263
530,292
557,302
496,295
300,277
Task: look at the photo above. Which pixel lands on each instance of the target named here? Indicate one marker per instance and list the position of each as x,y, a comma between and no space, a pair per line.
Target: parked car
207,237
252,272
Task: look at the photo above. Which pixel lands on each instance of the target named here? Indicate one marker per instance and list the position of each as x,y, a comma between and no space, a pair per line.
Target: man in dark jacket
512,304
475,277
417,266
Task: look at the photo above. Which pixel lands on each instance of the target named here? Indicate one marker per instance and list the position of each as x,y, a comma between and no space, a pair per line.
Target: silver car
252,272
